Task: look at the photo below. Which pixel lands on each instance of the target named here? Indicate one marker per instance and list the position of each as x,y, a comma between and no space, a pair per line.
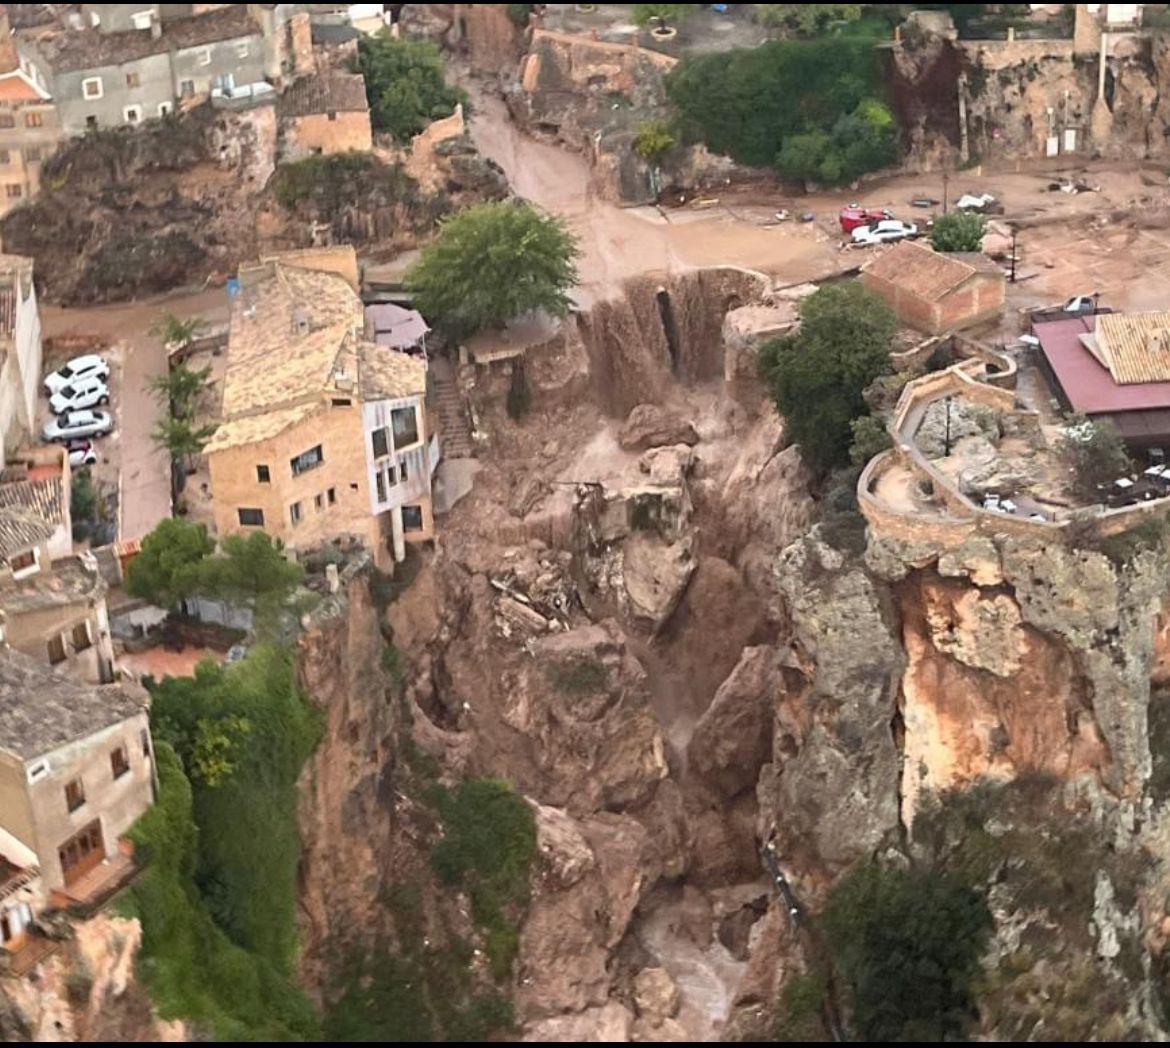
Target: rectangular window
5,157
7,120
91,87
306,461
205,56
56,648
332,115
164,109
132,114
251,518
119,762
22,562
294,512
381,442
144,740
74,794
412,518
405,421
81,639
332,495
262,475
402,470
37,771
318,502
33,154
14,190
242,49
380,485
33,120
133,80
391,475
341,402
187,88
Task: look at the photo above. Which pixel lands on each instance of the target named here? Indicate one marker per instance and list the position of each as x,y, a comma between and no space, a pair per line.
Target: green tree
653,139
818,374
518,14
166,569
493,262
83,504
181,439
1095,452
252,570
181,389
870,438
748,103
958,231
405,84
907,946
806,19
661,14
177,331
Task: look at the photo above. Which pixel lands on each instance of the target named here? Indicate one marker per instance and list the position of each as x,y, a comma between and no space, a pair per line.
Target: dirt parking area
130,466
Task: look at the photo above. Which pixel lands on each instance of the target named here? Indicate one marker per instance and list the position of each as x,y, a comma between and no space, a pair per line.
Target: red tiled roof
1087,384
927,273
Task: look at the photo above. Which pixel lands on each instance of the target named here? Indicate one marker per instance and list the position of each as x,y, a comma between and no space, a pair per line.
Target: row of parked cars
867,225
77,391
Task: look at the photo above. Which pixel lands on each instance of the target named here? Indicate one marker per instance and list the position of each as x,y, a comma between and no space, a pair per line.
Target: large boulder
656,995
651,426
733,739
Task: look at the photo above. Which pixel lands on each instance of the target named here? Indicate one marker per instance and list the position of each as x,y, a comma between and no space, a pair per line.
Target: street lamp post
1013,277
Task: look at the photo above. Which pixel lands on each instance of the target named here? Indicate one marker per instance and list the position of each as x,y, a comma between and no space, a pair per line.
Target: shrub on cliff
958,231
167,567
1095,452
405,84
823,95
907,945
819,373
494,262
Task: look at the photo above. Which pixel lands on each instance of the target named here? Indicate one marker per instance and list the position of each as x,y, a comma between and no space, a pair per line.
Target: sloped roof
43,497
330,93
929,274
68,50
396,325
295,336
20,530
41,711
1135,347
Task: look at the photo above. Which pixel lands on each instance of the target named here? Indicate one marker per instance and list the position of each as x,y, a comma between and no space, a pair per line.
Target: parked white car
80,393
885,231
82,453
88,366
78,424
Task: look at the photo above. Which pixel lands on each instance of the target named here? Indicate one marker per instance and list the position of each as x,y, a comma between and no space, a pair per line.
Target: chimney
9,59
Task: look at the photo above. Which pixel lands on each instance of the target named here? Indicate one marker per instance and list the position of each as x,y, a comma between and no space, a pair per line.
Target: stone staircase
455,427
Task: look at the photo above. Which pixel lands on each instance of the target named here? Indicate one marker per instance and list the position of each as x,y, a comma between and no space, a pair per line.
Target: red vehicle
854,216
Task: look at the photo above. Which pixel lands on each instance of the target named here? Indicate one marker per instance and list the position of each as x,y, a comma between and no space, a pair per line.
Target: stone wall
325,133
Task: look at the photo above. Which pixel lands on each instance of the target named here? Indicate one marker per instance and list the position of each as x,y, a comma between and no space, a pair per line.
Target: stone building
325,435
324,114
935,292
76,771
101,74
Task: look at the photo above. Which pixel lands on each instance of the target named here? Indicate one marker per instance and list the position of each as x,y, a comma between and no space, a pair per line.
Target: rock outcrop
652,426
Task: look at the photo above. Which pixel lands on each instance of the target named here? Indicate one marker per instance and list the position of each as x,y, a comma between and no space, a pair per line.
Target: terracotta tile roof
296,337
929,274
16,87
27,16
336,92
74,49
30,511
20,530
41,711
1135,347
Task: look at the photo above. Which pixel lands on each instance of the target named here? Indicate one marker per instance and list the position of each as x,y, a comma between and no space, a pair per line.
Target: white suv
88,366
81,393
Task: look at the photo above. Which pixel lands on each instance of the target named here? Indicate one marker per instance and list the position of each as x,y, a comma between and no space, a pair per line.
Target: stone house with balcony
52,602
76,771
325,435
149,61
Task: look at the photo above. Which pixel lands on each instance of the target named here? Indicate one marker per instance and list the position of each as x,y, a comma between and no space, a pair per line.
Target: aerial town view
584,522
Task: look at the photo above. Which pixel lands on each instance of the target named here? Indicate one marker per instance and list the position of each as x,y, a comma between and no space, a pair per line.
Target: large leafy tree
493,262
252,570
806,19
748,104
907,945
819,373
166,569
958,231
405,84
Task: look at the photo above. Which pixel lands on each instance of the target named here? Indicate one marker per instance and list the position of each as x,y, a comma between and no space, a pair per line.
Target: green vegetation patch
405,84
489,835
